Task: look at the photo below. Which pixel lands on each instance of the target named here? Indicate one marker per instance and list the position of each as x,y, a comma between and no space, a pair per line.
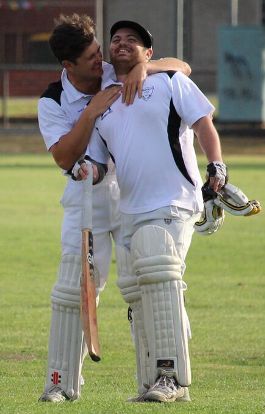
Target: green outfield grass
26,107
225,301
22,107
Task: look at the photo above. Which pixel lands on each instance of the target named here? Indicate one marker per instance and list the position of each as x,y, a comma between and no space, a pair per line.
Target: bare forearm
72,146
168,63
208,138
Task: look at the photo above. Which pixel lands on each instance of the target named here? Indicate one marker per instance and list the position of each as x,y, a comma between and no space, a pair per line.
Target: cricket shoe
182,396
166,389
54,395
141,397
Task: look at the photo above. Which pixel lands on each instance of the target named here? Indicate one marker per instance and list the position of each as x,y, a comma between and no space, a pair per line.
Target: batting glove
75,171
235,202
211,220
218,170
213,216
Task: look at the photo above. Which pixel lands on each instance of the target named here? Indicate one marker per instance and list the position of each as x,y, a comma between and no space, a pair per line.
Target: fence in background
24,81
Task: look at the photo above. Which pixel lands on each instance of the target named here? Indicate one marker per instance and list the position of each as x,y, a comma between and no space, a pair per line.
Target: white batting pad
66,344
132,295
158,269
126,281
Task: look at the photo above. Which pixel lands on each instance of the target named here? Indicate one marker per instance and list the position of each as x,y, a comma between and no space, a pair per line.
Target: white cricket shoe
166,389
185,397
141,397
54,395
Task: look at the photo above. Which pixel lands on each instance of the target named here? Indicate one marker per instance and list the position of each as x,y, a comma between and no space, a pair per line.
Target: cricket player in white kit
67,111
151,143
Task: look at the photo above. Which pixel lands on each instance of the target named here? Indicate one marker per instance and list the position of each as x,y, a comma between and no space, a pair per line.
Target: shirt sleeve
53,122
190,103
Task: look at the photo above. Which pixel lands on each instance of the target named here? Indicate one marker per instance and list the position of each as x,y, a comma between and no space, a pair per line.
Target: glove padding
235,202
74,171
218,170
231,199
211,220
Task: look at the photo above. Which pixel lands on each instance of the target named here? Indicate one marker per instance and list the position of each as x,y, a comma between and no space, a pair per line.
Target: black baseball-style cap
145,35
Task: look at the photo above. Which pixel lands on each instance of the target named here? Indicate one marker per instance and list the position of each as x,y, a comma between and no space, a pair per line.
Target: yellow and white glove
235,202
229,199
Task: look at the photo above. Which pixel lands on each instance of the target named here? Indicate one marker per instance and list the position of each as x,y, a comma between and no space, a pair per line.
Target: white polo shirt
152,144
61,105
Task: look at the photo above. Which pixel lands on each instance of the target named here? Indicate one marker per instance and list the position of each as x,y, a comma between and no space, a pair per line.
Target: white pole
99,22
234,12
180,17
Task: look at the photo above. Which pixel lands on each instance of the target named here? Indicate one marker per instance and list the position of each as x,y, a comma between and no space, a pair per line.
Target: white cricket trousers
177,221
106,222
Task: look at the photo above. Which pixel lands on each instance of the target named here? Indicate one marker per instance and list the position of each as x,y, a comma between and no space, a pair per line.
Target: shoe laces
55,388
166,381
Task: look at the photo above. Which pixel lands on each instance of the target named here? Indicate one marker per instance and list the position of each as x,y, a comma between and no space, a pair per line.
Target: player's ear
67,64
149,54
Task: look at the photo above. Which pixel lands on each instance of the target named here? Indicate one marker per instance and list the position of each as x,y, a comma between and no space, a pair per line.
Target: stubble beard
122,67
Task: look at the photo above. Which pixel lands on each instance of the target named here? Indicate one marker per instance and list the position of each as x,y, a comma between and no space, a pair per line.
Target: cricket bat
88,286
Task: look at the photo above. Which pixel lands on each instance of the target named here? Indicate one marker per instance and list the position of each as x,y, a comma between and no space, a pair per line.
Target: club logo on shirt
147,93
107,112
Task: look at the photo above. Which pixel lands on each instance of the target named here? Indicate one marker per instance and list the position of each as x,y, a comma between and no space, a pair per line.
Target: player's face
89,65
127,46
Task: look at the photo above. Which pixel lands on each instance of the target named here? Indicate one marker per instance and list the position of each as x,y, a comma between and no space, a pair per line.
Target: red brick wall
41,19
29,82
35,20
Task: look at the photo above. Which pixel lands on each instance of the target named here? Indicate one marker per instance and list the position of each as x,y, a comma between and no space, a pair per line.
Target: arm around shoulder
137,75
168,63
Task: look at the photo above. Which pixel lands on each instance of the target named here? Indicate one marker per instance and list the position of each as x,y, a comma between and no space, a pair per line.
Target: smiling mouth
123,52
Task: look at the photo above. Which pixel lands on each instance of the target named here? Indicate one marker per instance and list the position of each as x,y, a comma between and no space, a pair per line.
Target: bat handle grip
87,199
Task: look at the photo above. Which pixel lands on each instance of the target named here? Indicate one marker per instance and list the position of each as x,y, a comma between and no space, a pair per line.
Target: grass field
27,106
22,107
225,302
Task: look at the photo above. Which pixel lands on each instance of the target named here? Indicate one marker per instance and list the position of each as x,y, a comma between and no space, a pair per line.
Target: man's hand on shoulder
103,100
134,83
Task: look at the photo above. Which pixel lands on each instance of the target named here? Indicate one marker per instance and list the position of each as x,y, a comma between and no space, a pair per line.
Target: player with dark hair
67,112
160,201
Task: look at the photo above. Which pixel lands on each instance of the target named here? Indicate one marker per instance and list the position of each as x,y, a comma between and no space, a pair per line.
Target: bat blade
88,297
